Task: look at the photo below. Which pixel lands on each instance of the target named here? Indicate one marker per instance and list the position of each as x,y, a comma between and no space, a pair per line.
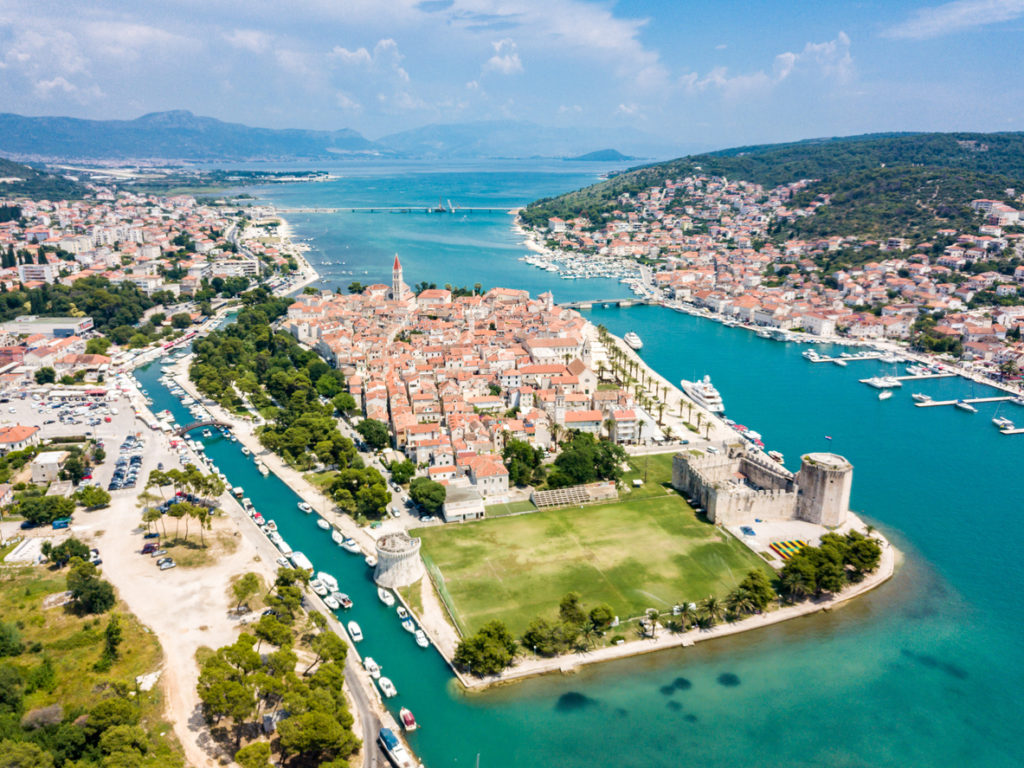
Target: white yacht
633,340
704,394
385,596
355,632
1002,422
885,394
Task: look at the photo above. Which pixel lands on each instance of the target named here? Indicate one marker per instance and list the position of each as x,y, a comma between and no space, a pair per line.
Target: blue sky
697,74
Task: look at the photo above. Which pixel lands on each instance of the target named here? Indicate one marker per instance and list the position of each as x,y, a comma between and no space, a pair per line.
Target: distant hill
17,180
181,136
600,156
176,135
866,174
514,139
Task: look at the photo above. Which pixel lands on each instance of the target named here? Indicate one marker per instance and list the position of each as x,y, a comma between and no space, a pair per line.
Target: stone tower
398,561
397,285
824,481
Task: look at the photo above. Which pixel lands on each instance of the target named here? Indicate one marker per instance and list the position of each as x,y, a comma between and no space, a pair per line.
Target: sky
697,74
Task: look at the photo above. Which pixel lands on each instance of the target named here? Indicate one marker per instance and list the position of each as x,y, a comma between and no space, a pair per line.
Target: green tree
374,432
90,593
42,510
343,402
97,346
402,471
45,375
181,320
92,497
247,586
255,755
570,610
430,495
112,637
601,617
63,552
487,652
23,754
326,645
10,640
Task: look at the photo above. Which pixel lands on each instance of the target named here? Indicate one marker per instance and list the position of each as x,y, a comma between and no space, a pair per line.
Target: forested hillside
23,181
853,169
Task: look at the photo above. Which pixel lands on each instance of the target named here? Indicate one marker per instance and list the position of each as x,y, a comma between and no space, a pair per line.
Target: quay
864,356
933,403
913,377
397,209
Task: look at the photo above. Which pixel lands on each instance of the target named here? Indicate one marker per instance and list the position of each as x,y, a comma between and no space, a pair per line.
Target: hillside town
454,378
708,240
158,244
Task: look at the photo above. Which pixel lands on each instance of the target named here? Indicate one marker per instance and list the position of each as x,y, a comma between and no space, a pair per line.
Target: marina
967,400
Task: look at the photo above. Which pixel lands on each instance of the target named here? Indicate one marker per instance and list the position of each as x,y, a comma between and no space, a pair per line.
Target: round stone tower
824,481
398,561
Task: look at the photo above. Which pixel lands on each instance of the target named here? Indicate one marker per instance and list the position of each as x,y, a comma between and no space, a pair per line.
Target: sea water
927,670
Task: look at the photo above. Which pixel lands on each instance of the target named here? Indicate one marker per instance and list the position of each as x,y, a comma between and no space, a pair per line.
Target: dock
970,400
869,356
912,377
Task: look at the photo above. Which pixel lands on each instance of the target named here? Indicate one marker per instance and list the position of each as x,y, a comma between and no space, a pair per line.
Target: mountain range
179,135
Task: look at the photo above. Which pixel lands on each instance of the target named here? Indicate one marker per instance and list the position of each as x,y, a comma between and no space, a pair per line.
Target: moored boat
323,524
343,600
408,720
387,688
963,405
885,394
704,394
393,749
355,632
421,639
328,581
331,603
336,537
403,614
349,545
318,587
372,667
371,561
305,507
921,398
633,340
1002,422
409,626
385,596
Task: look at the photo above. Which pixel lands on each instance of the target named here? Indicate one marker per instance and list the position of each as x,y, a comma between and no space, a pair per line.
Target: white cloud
252,40
346,102
569,109
385,58
129,41
627,109
505,59
954,17
828,60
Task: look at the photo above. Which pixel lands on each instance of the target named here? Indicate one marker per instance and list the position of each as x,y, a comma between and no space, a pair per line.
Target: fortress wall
825,481
743,506
771,476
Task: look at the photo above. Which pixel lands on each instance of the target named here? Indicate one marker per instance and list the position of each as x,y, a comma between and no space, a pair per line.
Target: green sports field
648,550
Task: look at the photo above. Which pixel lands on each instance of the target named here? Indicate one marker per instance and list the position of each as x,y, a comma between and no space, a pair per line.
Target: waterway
926,671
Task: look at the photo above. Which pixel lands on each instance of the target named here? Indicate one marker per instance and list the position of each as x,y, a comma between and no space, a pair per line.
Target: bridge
181,432
589,303
399,209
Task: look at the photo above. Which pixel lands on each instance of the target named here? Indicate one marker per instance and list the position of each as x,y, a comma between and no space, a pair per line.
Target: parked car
168,564
150,546
158,552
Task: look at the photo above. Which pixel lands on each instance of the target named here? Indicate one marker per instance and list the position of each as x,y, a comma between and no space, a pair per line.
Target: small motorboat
336,537
409,626
371,561
372,667
387,687
305,507
258,519
421,639
776,456
318,587
921,398
840,362
355,632
270,526
403,614
323,524
328,581
408,721
885,394
263,469
349,545
385,596
1002,422
343,600
331,603
963,405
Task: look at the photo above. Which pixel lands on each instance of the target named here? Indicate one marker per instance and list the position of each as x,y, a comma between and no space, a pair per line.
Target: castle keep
737,486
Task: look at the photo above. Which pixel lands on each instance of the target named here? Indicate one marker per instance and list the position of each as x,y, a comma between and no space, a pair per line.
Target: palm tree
711,608
688,614
652,616
794,584
739,602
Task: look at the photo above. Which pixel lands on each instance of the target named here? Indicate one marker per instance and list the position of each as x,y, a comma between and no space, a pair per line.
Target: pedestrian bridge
590,303
181,432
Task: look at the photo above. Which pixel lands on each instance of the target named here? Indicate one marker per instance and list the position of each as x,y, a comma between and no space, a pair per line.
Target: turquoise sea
926,671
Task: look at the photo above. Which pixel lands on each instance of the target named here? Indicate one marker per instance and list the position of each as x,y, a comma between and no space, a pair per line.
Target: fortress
738,486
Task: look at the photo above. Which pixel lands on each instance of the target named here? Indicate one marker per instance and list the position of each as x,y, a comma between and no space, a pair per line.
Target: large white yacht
704,394
633,340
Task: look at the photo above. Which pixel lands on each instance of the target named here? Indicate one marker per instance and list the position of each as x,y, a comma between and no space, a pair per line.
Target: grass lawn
648,550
